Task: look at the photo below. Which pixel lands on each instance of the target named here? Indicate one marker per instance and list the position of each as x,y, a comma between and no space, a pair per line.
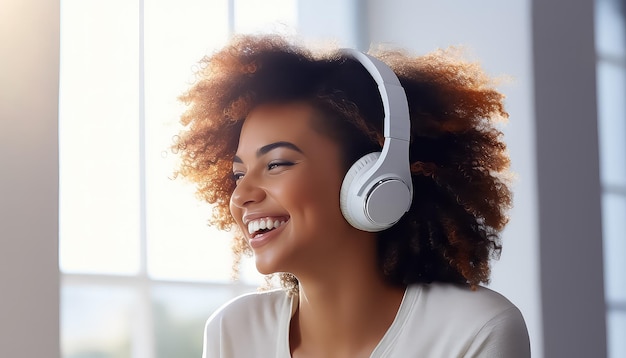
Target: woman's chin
265,266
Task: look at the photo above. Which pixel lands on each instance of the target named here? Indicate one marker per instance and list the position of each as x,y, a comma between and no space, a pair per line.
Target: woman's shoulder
453,320
253,307
466,309
462,298
259,319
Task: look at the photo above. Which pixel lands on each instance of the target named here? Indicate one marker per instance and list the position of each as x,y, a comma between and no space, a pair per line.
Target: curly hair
458,160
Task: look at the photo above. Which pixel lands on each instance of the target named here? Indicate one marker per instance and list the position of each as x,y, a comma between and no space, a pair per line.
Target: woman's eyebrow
269,147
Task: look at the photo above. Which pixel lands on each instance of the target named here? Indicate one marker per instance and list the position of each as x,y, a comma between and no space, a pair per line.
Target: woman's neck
343,315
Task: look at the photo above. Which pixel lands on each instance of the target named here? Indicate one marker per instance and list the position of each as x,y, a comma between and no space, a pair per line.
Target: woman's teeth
264,224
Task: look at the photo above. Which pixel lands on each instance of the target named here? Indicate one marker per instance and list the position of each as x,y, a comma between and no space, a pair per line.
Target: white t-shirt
434,320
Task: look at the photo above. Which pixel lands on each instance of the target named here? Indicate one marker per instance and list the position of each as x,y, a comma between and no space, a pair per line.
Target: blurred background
103,255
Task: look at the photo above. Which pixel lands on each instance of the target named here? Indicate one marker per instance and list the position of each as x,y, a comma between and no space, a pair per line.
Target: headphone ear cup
353,207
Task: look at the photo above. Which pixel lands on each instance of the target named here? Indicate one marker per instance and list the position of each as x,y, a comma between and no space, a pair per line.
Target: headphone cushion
353,210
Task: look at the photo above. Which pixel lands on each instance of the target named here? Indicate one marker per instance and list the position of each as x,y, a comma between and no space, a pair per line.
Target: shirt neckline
386,342
393,332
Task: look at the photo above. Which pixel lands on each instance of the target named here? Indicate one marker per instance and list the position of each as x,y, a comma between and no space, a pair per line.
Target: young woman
273,134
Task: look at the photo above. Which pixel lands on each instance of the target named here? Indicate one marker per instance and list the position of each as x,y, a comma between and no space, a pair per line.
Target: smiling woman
284,141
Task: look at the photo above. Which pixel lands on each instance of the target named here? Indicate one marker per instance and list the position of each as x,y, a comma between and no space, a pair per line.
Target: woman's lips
260,239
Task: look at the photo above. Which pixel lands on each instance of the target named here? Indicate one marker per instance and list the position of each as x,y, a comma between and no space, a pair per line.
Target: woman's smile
263,231
260,226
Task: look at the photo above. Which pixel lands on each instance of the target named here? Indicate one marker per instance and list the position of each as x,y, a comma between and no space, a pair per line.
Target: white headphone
377,190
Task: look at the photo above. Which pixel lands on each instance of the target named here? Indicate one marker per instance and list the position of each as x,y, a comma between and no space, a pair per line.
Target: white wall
332,20
551,265
29,278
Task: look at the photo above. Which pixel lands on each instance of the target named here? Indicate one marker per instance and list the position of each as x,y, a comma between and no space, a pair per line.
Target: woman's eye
274,165
237,176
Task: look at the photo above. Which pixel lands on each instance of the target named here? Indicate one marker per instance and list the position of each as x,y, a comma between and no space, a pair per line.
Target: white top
434,320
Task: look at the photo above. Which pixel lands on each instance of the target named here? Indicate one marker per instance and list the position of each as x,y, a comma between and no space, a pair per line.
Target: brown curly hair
458,160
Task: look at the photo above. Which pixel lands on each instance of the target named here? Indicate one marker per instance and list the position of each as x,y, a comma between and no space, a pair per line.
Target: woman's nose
247,192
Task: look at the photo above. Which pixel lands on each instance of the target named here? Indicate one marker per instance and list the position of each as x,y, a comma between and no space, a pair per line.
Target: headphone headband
397,123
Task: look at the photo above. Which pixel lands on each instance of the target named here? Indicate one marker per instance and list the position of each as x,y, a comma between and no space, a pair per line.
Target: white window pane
179,315
616,327
98,136
248,273
187,249
196,253
612,123
610,27
614,227
180,244
266,16
97,321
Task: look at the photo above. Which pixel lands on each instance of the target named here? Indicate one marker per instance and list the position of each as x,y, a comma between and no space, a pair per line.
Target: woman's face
287,196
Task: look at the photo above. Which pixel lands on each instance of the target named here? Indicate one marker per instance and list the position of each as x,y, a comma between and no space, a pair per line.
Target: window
141,270
611,75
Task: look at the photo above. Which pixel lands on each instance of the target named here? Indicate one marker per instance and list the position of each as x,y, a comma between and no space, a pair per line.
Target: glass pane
612,123
98,137
180,244
610,27
266,16
616,327
180,314
614,227
97,321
